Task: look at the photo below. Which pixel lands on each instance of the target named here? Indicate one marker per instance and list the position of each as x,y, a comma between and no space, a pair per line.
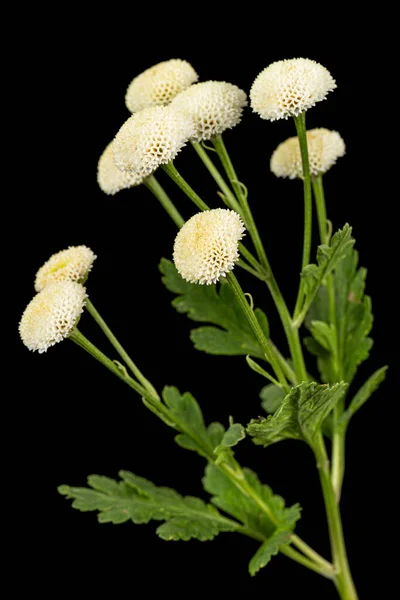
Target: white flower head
206,248
110,179
73,264
150,138
214,107
289,87
52,315
158,85
324,148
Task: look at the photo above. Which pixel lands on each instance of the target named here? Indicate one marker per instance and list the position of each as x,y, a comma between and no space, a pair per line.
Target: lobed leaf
137,499
280,537
230,334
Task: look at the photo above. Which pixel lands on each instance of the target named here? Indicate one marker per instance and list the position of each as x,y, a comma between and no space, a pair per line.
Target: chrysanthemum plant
169,110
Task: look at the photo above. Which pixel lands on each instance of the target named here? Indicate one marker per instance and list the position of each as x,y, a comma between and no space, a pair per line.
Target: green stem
258,332
79,339
300,122
152,184
338,434
118,347
344,579
317,562
291,332
177,178
242,197
219,180
171,170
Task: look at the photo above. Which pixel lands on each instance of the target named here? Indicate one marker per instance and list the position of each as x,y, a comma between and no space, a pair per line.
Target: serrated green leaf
328,257
137,499
271,397
300,415
186,412
353,317
324,334
227,497
233,334
363,394
268,549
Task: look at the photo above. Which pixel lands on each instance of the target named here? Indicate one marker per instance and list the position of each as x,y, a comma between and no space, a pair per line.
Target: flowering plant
170,111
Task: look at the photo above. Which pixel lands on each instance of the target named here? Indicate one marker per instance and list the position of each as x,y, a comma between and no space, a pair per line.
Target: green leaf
256,367
233,435
232,334
280,537
271,397
187,414
137,499
328,257
353,317
363,394
227,497
215,433
299,416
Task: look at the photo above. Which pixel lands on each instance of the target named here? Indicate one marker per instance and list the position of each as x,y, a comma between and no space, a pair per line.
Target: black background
72,417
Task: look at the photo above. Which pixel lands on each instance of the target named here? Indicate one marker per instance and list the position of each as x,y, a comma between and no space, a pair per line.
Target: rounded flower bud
324,148
213,105
73,264
110,179
289,87
150,138
52,315
206,248
158,85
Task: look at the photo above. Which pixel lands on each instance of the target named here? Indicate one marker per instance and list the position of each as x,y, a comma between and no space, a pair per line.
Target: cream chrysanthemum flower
289,87
214,107
206,248
324,148
158,85
52,315
73,264
150,138
110,179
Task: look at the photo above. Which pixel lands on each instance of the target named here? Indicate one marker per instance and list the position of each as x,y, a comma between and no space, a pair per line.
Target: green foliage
137,499
280,537
328,257
233,335
186,414
300,414
227,497
362,395
271,397
233,435
353,317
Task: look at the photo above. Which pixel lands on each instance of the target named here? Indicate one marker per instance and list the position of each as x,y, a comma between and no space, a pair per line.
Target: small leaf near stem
300,122
118,347
152,184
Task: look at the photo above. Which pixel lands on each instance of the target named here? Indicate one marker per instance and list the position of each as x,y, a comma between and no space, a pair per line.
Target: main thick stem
344,581
338,434
300,122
